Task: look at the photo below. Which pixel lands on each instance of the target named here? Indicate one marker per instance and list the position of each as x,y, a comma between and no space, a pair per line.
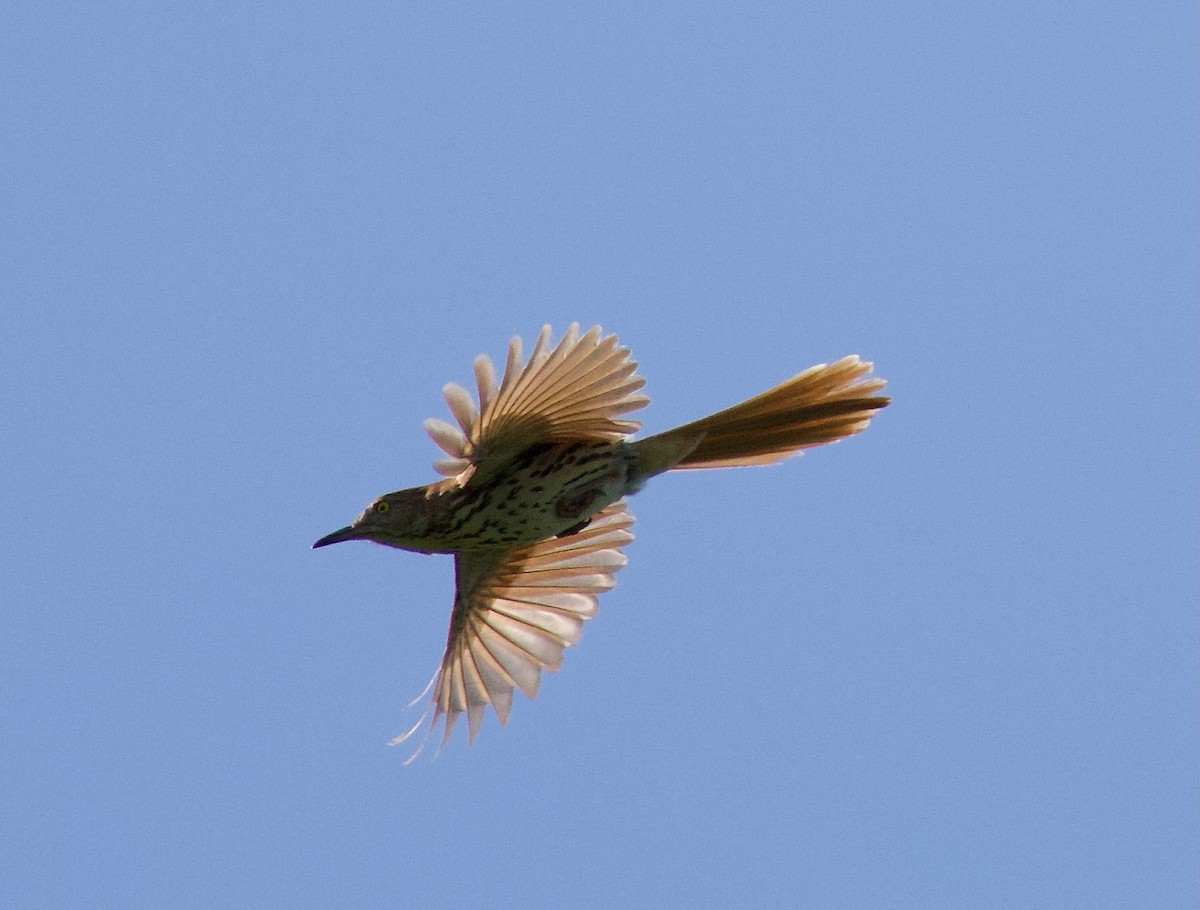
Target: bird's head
397,519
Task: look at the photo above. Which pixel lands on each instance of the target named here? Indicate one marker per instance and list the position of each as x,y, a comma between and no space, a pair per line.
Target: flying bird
532,497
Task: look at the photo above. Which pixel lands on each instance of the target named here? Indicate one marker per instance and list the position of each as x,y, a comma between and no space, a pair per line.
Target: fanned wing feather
449,438
578,390
516,612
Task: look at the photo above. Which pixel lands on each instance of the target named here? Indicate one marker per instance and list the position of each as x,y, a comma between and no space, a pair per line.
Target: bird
532,500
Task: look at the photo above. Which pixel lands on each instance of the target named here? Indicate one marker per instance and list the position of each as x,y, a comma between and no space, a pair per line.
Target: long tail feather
821,405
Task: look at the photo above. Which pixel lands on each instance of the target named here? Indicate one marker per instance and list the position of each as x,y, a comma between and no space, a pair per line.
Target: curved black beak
350,533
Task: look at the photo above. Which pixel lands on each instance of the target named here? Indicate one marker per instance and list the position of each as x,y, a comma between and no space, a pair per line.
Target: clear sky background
950,663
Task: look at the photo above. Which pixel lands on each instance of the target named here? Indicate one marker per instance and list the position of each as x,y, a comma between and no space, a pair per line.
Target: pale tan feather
515,612
820,405
578,390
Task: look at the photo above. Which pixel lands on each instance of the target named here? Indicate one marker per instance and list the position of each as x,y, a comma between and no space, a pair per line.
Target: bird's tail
823,404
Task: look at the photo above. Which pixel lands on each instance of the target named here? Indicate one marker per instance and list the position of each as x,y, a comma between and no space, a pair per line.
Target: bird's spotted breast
540,493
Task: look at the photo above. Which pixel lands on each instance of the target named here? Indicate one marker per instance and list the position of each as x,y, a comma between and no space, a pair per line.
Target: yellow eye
382,507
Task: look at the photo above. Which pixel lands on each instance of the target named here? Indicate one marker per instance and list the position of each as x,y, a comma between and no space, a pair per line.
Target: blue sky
950,663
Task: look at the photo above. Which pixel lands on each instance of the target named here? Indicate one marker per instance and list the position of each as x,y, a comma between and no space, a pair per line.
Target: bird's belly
538,494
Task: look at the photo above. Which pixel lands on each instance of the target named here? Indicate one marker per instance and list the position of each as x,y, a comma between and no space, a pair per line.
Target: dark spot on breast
573,504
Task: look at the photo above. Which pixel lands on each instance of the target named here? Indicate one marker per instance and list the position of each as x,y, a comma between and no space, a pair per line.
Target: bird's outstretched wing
577,390
515,612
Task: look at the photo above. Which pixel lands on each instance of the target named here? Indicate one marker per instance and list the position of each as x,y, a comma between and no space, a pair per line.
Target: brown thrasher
531,505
